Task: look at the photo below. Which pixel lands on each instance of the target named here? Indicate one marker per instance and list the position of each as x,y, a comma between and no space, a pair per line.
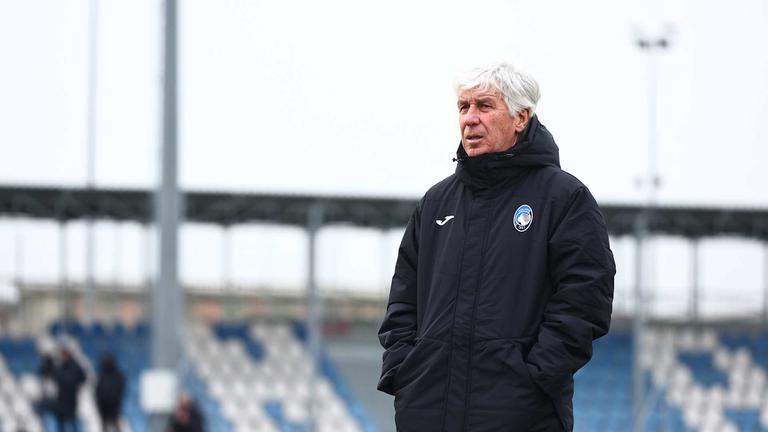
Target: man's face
485,122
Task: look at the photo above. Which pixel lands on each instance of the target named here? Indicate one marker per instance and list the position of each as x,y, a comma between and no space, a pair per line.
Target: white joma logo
444,221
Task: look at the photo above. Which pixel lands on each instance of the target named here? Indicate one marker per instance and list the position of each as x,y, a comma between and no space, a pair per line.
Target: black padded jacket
504,277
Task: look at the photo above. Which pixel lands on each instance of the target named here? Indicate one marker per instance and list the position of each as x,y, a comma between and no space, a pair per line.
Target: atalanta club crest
523,217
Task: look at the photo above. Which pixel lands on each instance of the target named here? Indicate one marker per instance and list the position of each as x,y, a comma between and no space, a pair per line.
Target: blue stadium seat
240,332
20,355
704,370
755,341
745,420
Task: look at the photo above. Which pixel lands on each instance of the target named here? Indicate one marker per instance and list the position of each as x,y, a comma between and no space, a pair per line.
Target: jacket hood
537,148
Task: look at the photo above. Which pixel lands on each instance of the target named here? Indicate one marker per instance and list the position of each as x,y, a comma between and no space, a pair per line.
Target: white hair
520,90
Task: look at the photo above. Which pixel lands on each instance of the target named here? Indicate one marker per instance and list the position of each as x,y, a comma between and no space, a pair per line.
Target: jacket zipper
483,246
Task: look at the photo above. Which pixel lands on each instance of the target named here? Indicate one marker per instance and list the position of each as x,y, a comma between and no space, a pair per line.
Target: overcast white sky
355,97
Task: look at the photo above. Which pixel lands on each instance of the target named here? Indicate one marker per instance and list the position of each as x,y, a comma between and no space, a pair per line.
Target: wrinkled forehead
478,92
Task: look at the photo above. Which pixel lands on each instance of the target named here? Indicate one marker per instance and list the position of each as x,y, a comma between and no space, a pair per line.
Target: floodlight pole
63,276
90,289
765,284
18,265
228,297
639,323
314,312
651,46
167,298
384,269
695,281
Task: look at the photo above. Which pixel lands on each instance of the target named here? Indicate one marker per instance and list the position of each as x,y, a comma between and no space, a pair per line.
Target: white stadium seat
30,386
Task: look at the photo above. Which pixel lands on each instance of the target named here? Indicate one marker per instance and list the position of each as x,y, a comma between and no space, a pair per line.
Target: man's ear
522,120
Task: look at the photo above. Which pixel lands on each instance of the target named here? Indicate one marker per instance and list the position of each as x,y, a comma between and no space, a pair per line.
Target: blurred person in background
186,417
110,389
69,377
47,375
503,279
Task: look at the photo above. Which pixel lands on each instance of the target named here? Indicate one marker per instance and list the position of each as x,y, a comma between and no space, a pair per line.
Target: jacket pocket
501,382
391,361
421,378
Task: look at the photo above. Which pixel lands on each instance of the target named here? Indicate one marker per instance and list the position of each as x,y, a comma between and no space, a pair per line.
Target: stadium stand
603,396
699,380
260,376
713,379
130,348
255,377
244,378
18,360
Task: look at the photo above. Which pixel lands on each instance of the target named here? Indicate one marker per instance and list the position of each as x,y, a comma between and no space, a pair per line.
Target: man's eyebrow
482,98
486,98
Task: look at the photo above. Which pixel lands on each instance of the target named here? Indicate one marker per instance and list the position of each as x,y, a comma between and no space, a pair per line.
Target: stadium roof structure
227,208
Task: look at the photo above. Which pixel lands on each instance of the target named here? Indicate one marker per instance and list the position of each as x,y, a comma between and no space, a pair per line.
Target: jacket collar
537,148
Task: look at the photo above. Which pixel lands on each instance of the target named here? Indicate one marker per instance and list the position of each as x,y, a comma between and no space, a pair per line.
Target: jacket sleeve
581,268
398,330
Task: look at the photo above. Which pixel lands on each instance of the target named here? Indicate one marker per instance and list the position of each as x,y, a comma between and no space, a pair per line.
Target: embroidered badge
523,217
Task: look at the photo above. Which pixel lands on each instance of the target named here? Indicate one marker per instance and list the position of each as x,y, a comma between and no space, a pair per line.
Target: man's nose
472,117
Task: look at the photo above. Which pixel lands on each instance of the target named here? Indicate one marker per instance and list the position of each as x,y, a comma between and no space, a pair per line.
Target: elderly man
503,279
